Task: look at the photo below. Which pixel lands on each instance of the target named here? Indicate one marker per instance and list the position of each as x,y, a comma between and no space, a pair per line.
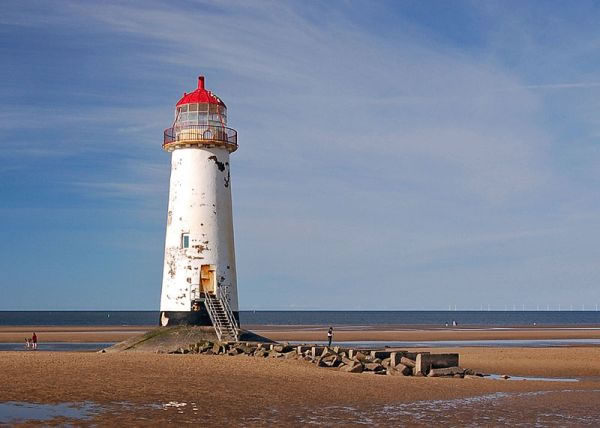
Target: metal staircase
222,317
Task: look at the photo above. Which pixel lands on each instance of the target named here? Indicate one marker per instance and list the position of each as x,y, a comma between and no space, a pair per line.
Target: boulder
282,347
386,362
358,356
353,368
347,360
290,354
329,361
390,371
374,367
404,370
407,362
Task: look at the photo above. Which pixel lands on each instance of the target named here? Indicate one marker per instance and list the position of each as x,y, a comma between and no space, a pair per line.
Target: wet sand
144,388
18,334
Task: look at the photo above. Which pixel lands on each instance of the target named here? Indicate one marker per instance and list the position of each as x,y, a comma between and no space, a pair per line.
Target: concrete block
447,371
425,362
380,354
316,351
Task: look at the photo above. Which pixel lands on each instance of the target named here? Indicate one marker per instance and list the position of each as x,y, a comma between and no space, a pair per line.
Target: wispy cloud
581,85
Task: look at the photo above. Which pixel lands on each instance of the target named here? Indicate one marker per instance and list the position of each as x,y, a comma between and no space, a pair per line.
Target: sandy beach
135,388
147,388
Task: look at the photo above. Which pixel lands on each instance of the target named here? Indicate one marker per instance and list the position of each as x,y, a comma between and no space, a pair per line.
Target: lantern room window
185,240
201,114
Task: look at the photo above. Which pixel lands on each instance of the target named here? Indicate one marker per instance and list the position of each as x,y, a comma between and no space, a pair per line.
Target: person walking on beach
34,341
330,335
27,344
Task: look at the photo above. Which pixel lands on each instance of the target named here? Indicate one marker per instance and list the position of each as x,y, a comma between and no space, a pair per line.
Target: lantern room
200,119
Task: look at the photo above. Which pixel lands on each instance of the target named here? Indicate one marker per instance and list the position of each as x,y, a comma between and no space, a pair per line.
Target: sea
484,319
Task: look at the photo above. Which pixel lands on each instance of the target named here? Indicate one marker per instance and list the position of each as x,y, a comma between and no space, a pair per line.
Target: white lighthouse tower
199,279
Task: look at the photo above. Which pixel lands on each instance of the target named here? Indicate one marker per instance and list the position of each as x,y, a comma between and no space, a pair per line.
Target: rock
386,362
282,348
289,355
347,360
407,362
357,356
326,353
329,361
392,372
505,377
448,371
353,368
261,353
373,367
404,370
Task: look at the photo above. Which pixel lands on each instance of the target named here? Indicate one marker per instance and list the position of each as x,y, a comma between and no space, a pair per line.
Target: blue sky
393,155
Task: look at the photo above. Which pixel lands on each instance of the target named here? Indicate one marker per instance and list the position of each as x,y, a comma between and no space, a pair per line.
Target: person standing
330,335
34,340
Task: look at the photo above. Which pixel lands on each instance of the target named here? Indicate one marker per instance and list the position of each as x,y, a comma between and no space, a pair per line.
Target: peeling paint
220,165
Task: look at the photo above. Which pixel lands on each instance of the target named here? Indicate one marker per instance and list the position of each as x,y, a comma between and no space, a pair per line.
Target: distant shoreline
15,334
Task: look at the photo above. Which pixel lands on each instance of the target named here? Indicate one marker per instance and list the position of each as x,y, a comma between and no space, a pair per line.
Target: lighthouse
199,279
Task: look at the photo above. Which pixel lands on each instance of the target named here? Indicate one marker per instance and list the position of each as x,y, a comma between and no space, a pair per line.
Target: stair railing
232,320
208,302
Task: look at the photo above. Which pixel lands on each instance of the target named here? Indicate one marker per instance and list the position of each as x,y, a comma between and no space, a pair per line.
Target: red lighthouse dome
200,95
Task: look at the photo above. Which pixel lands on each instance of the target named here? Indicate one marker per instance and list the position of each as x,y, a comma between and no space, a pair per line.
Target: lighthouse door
208,279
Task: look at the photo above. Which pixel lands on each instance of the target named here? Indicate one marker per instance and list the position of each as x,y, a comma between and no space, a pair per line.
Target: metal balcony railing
198,134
